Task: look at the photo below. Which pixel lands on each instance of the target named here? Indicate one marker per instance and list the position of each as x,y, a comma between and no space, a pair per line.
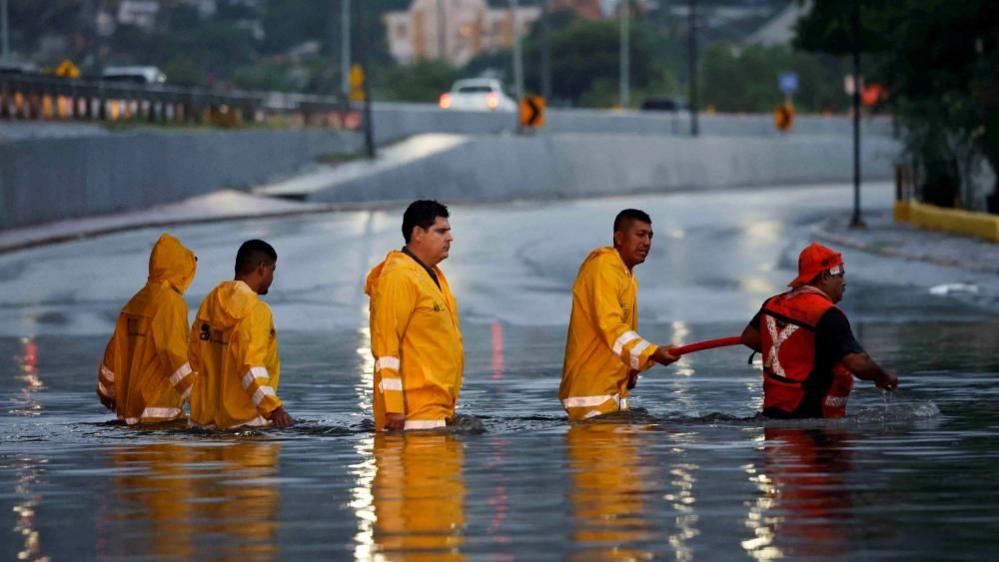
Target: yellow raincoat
145,369
234,351
603,348
416,343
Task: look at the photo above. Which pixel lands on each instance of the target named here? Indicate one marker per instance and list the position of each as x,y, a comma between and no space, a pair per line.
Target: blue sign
788,82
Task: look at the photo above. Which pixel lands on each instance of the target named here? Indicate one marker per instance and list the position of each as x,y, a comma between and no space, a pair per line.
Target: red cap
813,260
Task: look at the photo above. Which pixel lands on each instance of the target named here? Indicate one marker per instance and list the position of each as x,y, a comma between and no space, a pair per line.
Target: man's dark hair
251,254
422,213
624,219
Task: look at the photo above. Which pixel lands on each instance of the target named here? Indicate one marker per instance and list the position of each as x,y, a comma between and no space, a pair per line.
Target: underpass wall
575,165
43,180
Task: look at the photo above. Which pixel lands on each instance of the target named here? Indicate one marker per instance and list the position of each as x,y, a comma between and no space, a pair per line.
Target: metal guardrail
33,97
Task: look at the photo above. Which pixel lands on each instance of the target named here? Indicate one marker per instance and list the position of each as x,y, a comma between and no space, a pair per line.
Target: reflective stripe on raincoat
416,341
145,368
234,350
603,347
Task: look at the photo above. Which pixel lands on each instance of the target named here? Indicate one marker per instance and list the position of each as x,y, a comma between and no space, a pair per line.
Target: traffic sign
532,111
356,80
67,69
788,82
784,117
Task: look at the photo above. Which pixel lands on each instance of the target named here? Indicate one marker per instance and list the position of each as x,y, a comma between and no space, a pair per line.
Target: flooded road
688,476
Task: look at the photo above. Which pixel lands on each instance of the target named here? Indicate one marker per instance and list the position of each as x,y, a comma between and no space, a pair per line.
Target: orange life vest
787,331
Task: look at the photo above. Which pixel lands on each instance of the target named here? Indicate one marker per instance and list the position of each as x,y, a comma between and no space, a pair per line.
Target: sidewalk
885,237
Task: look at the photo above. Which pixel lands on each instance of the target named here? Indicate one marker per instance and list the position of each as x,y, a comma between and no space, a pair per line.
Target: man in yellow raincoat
415,336
145,376
603,351
234,348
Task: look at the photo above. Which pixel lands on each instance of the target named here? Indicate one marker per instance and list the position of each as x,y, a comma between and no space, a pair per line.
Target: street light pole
692,62
518,58
4,31
856,221
345,48
441,31
625,86
362,60
546,55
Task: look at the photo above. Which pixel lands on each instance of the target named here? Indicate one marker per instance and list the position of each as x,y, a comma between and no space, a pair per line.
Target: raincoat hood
172,263
234,301
605,251
394,259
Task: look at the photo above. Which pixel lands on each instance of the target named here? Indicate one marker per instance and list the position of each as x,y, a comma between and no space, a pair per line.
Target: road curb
822,231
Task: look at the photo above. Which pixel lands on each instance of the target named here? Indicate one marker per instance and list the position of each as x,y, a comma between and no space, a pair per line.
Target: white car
134,74
477,94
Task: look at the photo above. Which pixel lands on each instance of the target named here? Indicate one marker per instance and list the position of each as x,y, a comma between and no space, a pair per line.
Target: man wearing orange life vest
603,351
415,337
809,353
145,376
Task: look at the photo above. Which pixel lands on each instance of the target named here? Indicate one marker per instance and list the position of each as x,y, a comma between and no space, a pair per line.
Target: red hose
702,345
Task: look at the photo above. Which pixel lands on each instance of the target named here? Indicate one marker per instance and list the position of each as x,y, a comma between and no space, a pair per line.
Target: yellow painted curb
931,217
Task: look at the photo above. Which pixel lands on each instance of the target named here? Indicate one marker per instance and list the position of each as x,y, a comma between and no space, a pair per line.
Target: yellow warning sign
532,111
356,80
67,69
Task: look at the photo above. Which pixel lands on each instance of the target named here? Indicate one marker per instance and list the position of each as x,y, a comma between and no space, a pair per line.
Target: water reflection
26,507
804,498
193,501
27,404
418,497
610,487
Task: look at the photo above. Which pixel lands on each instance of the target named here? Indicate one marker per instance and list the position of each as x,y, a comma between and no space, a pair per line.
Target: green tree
423,81
586,56
747,79
940,62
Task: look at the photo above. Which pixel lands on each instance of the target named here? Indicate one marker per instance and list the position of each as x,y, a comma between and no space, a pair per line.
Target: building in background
140,13
590,10
452,30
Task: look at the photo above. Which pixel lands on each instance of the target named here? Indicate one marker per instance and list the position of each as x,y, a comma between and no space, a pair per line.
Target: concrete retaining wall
574,165
52,179
396,121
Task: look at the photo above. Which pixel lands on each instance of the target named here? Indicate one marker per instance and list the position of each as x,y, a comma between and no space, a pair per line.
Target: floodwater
689,475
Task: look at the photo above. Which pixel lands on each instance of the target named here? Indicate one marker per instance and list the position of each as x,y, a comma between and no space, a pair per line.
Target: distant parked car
134,74
662,104
477,94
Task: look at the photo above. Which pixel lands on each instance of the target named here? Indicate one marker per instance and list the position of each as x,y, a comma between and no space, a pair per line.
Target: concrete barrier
578,165
394,121
51,179
955,221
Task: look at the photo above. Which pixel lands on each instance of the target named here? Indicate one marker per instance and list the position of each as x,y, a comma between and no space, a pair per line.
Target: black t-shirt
833,341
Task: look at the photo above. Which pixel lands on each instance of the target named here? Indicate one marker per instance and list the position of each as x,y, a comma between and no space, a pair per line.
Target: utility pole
362,59
692,61
441,30
624,98
4,31
518,59
856,221
546,55
345,48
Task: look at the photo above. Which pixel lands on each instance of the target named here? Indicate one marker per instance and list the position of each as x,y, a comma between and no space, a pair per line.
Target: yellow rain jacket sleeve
603,346
416,342
234,350
145,368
